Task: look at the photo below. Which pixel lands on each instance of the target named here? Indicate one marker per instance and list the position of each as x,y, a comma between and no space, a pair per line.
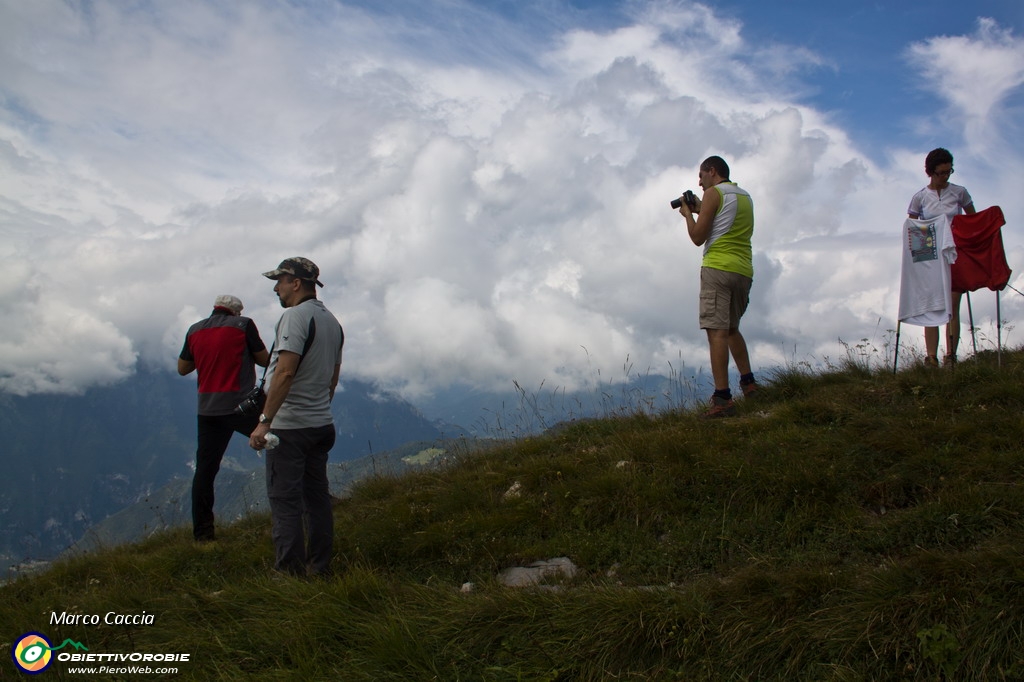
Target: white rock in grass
527,576
514,491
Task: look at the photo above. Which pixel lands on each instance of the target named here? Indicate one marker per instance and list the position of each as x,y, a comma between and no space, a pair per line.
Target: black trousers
302,522
214,434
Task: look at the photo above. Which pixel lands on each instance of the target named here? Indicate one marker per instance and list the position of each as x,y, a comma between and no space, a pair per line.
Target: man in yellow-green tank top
723,226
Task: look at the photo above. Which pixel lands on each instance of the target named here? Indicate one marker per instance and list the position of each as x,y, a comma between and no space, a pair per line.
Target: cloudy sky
484,185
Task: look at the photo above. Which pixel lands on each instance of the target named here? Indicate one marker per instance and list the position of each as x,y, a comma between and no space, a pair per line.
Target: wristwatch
264,419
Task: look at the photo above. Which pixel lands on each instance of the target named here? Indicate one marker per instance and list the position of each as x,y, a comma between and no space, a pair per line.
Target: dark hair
304,284
717,164
936,158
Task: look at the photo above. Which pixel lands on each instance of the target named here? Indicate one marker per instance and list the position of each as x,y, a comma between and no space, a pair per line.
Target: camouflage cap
232,303
303,268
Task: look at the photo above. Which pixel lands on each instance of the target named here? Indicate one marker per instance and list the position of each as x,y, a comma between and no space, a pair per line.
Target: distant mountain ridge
74,460
243,492
526,410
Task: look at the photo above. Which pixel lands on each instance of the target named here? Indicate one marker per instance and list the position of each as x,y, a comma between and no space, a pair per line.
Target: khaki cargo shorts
723,298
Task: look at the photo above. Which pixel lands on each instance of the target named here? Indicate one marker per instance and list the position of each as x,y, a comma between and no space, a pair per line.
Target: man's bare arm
699,229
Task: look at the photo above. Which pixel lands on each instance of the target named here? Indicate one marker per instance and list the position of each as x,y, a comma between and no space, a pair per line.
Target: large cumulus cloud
487,203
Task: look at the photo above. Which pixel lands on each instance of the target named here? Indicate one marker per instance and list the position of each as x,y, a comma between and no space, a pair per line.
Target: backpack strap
310,335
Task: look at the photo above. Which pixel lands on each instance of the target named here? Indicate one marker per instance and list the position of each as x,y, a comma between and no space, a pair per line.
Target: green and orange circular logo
33,653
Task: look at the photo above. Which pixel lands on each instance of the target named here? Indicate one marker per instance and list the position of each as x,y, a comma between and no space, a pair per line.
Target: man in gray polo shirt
304,366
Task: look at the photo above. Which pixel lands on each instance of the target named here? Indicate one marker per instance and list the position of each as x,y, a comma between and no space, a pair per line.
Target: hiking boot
750,390
931,361
949,361
719,407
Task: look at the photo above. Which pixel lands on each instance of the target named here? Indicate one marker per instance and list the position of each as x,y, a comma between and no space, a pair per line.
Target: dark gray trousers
214,434
298,491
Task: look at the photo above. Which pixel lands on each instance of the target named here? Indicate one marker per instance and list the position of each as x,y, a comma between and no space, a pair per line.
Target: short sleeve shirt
928,203
925,285
308,404
222,347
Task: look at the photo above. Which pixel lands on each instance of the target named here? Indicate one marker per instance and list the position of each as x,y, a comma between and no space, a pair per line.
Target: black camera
687,197
253,402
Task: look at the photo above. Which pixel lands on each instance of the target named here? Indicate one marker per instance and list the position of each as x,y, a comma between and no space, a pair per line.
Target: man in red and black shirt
223,349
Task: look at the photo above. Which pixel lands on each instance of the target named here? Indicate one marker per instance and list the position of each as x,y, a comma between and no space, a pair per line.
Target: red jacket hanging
980,261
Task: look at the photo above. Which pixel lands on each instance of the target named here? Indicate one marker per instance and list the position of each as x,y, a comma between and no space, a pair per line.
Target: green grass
849,525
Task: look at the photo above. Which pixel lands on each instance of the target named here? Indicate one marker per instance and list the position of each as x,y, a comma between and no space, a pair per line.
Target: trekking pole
970,318
999,333
896,356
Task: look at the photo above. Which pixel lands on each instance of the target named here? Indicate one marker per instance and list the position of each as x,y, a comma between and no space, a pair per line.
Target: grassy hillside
849,525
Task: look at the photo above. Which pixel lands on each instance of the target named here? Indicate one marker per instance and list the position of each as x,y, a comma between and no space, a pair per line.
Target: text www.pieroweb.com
123,670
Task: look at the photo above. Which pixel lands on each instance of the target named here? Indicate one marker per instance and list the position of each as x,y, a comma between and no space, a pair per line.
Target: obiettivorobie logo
33,653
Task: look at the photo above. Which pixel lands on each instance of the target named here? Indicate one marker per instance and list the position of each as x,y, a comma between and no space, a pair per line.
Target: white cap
232,303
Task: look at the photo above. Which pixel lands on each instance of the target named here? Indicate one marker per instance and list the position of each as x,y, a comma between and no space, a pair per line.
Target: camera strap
263,379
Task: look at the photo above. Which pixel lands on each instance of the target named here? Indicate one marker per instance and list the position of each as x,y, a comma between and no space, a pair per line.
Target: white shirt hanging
925,287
